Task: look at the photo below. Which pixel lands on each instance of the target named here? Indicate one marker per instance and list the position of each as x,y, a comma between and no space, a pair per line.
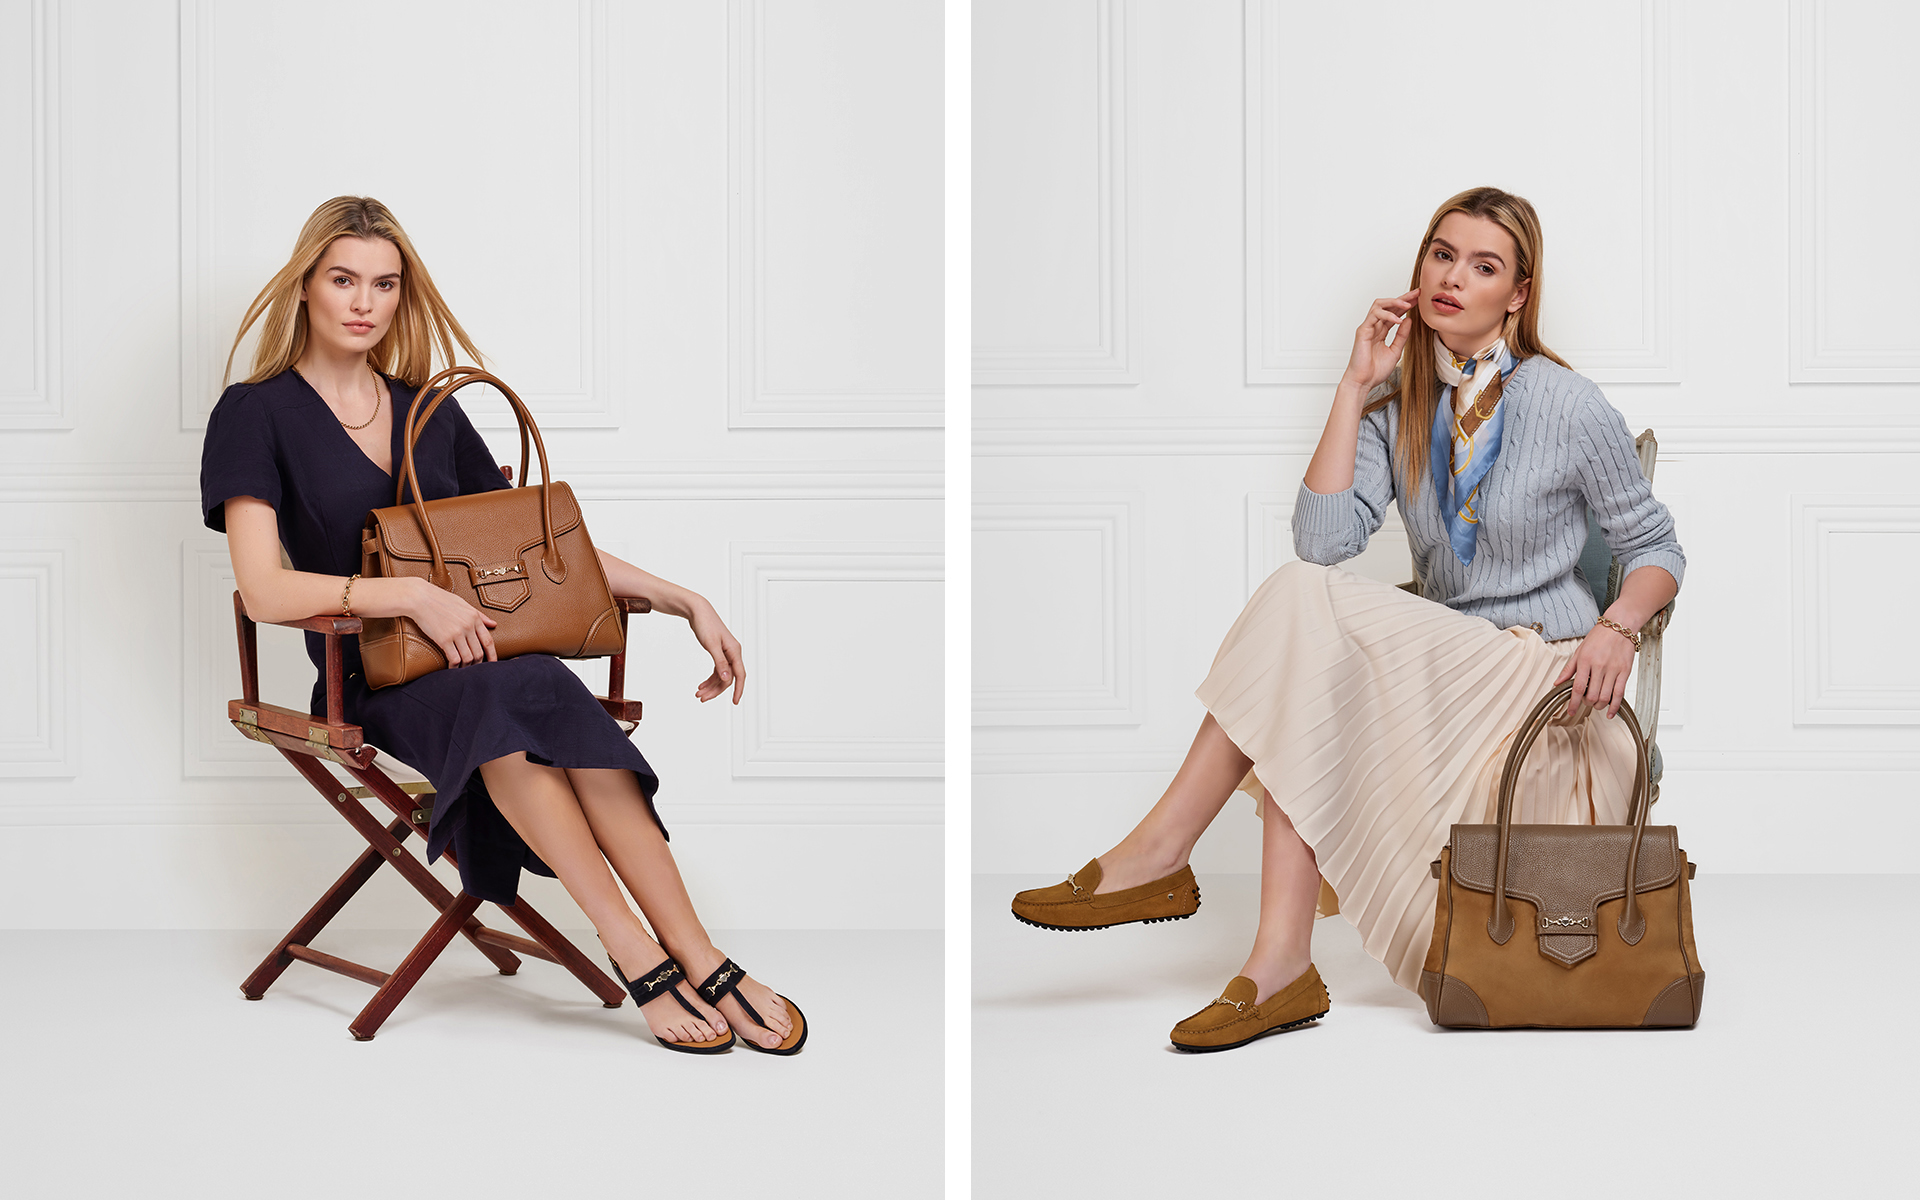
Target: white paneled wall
702,241
1209,194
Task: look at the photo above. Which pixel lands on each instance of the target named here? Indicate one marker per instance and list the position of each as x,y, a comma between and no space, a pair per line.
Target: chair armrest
326,625
615,702
331,627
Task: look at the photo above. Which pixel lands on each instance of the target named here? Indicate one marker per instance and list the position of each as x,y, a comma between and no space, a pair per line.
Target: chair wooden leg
384,846
324,910
610,991
402,805
411,869
408,973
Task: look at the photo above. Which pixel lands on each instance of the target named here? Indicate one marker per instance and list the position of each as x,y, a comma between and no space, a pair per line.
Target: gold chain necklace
379,396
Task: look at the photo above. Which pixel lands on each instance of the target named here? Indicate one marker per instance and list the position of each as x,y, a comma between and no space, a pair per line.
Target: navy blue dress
277,441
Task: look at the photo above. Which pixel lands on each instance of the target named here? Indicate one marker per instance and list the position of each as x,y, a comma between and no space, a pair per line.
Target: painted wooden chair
309,743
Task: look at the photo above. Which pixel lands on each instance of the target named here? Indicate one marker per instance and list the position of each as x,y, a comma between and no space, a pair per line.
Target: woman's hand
1373,359
729,667
1599,672
458,628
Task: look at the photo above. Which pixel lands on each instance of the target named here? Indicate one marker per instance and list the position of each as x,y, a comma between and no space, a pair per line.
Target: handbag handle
1632,923
450,381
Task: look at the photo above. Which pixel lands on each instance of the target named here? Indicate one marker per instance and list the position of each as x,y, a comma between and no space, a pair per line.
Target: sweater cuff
1673,561
1321,523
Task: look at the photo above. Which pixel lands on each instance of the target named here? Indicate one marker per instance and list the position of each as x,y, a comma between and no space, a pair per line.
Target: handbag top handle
450,381
1632,923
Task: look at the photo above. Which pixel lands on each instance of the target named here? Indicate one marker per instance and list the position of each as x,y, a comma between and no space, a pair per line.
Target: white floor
1798,1080
130,1066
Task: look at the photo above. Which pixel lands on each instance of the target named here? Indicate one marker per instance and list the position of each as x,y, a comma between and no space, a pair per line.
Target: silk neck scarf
1466,436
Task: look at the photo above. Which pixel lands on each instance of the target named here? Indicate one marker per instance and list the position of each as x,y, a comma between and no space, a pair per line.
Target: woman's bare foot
703,961
665,1018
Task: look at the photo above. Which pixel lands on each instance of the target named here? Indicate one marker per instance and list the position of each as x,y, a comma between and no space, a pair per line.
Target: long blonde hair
1419,388
422,325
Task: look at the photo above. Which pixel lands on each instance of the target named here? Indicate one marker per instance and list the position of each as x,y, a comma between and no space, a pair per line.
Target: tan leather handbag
521,555
1563,926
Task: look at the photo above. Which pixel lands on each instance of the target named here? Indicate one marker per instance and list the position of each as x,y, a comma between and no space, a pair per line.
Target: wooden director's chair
306,741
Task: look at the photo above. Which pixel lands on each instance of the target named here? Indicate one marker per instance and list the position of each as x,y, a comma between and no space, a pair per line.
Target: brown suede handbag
521,555
1563,926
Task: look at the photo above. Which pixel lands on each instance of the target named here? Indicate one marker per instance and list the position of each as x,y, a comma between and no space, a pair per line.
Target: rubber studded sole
1110,925
1256,1037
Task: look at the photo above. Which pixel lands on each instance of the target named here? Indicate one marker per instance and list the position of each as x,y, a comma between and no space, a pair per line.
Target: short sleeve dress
277,441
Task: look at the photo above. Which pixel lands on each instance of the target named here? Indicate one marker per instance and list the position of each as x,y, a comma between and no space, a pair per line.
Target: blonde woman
1365,720
530,770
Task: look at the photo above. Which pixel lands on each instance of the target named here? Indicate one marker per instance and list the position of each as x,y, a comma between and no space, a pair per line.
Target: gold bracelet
1623,631
346,594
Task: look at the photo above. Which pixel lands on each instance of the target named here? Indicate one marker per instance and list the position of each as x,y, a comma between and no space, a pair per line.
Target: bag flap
478,529
1565,870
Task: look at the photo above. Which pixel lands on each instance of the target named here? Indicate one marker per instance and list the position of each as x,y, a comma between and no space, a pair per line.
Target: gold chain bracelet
346,598
1623,631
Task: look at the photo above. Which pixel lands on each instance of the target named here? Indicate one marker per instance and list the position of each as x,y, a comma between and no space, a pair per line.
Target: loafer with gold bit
1234,1019
1076,904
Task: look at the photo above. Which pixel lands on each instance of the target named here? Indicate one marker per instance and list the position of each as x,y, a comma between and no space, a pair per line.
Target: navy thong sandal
725,981
662,978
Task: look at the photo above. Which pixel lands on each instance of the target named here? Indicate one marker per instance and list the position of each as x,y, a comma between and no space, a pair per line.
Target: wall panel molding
1811,358
752,401
901,479
43,743
209,745
1115,699
758,748
1107,361
1826,606
1271,359
205,331
42,403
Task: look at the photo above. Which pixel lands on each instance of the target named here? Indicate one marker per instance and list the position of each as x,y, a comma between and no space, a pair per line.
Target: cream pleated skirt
1376,720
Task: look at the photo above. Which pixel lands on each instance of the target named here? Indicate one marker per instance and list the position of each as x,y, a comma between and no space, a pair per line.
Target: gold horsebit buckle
1236,1005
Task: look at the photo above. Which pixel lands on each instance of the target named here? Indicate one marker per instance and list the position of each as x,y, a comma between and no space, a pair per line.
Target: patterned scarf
1466,435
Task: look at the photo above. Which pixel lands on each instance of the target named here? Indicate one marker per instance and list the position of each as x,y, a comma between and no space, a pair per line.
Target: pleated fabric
1377,720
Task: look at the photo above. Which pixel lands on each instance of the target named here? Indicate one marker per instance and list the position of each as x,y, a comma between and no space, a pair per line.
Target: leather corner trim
1459,1007
1678,1004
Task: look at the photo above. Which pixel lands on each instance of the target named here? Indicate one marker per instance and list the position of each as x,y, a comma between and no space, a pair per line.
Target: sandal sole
1256,1037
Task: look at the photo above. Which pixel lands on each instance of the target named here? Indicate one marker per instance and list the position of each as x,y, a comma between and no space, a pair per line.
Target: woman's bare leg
539,802
617,813
1160,843
1289,890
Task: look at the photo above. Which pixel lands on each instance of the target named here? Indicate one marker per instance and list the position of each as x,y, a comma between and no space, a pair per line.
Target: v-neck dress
277,441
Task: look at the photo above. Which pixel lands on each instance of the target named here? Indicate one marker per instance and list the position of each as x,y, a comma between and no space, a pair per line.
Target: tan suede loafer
1234,1019
1076,905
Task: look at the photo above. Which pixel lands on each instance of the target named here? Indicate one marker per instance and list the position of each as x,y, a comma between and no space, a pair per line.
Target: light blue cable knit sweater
1564,450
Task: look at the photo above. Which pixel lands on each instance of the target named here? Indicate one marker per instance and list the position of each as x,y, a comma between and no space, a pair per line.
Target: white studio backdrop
1182,213
703,242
